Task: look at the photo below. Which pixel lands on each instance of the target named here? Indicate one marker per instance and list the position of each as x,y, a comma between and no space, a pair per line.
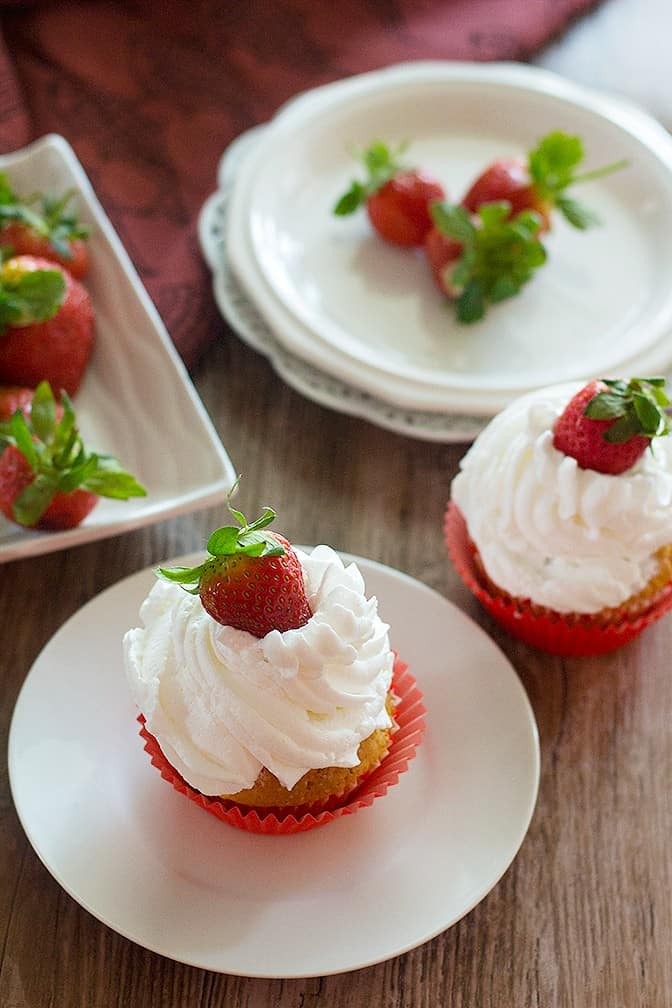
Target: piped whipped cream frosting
567,538
223,703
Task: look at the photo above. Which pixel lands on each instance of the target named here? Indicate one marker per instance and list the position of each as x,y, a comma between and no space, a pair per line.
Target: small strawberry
397,198
608,424
540,184
48,230
483,259
48,479
46,325
252,580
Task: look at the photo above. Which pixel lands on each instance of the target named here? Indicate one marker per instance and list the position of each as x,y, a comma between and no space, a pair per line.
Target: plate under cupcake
360,890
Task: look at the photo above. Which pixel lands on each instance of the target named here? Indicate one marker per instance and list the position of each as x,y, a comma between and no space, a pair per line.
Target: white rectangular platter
137,401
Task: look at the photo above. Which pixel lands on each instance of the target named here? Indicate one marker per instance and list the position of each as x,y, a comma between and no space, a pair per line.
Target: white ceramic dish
136,401
162,872
343,301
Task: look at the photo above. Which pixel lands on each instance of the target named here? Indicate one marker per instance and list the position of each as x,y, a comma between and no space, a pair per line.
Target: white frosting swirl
568,538
223,703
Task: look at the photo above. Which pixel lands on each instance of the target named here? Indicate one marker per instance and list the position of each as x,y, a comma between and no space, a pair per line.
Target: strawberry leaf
103,475
33,296
636,407
552,162
454,221
43,412
262,544
471,303
381,164
22,438
622,429
181,575
223,540
503,287
606,406
265,519
6,192
351,200
647,411
577,214
552,166
34,500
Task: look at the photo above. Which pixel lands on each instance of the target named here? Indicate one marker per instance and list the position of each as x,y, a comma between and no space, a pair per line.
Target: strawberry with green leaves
397,198
48,478
609,423
42,225
252,579
46,325
482,259
541,183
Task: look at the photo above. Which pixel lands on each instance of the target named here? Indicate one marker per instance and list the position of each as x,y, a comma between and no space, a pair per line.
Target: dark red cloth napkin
149,93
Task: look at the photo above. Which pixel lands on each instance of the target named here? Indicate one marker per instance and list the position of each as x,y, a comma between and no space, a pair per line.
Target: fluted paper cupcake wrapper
571,636
409,717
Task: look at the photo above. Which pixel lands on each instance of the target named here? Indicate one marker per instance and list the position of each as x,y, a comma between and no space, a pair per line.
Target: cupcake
560,519
267,686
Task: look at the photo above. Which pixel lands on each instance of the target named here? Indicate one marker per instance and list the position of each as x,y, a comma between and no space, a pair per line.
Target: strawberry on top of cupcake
567,502
267,681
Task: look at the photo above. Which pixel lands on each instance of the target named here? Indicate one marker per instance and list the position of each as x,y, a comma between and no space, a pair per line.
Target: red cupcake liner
575,637
409,716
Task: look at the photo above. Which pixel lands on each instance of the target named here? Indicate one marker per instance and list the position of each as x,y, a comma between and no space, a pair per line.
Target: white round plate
368,314
162,872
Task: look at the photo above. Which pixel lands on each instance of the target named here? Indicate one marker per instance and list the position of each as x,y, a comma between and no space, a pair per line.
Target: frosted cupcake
267,685
561,516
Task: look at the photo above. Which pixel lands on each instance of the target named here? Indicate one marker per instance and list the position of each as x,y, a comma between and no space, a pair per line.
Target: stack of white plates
358,325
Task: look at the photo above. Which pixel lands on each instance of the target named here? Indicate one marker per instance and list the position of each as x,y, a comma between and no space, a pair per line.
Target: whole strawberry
48,479
609,424
397,198
541,182
43,226
46,325
482,259
252,580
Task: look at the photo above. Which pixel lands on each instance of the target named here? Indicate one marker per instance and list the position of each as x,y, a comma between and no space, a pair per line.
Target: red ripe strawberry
42,226
46,325
24,241
397,199
608,424
399,210
48,479
509,179
483,259
65,510
252,580
14,397
541,182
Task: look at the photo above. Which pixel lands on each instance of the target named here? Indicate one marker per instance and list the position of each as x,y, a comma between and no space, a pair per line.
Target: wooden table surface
583,917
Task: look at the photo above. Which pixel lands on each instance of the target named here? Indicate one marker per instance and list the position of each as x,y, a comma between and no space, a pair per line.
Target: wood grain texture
583,918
